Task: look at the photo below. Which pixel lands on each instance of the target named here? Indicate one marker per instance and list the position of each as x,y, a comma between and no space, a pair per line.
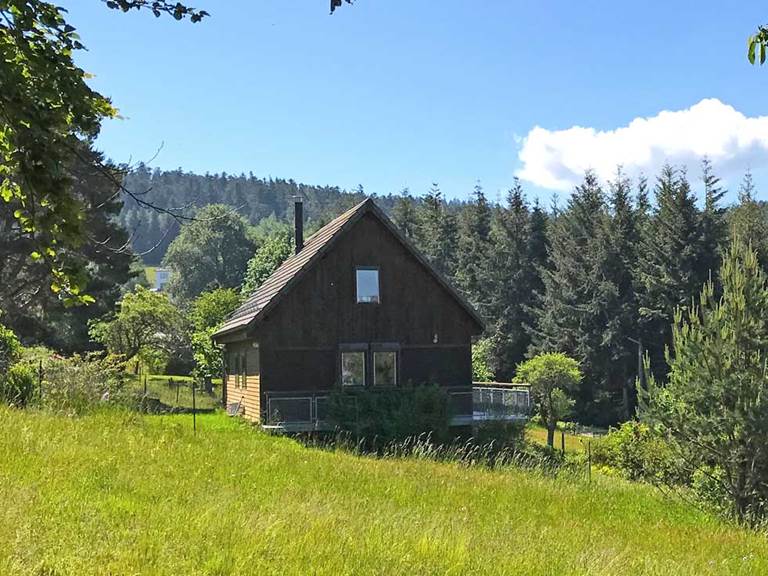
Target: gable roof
290,271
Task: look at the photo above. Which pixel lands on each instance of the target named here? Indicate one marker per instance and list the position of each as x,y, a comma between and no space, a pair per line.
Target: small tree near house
551,376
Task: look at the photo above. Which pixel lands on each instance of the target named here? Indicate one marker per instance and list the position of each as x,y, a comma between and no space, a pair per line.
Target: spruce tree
474,247
405,215
512,279
670,270
714,227
569,313
437,232
616,256
749,220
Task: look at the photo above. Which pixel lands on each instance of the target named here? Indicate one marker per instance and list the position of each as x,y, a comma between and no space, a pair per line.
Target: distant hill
254,198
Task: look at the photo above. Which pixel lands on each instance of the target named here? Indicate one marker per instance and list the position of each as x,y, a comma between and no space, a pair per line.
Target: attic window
368,285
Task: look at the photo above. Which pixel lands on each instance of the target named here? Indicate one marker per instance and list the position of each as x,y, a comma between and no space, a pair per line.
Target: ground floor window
369,364
353,368
385,368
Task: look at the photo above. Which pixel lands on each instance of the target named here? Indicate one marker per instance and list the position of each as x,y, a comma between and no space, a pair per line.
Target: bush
638,453
76,385
383,416
503,434
17,385
10,349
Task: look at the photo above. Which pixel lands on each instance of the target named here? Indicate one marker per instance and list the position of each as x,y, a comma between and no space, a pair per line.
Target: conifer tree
512,278
749,220
714,227
670,270
437,232
474,229
538,246
569,314
616,255
713,408
405,215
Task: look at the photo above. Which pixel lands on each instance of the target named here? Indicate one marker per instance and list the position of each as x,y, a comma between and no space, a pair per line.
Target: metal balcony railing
304,411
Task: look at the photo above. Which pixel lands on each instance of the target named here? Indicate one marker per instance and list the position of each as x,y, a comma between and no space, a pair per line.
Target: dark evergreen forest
254,198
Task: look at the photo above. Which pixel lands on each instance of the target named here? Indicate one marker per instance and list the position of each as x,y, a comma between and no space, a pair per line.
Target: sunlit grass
117,493
176,391
574,443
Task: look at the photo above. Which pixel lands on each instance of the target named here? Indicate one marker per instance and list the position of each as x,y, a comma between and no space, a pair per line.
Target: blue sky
393,94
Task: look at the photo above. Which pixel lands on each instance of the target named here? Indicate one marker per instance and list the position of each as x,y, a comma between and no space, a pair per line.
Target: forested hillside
252,197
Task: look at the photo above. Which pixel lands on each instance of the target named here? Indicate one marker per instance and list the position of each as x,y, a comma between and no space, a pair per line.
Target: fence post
562,441
177,392
589,461
145,384
194,415
40,378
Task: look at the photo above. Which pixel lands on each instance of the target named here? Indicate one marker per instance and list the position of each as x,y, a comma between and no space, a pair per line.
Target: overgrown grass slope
118,493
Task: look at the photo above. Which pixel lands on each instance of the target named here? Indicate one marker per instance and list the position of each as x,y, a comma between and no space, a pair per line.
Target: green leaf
36,255
751,50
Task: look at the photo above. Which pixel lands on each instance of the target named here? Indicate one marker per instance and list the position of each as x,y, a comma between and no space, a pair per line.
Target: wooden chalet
356,306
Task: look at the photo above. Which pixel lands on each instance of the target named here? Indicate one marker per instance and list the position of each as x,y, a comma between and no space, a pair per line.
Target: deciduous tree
146,324
275,250
210,252
208,312
551,377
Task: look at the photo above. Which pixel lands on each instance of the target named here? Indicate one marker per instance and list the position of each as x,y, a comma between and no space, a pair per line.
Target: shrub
503,434
638,453
17,385
77,385
383,416
10,349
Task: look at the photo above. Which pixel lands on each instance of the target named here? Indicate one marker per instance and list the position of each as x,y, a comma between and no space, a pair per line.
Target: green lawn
119,493
574,443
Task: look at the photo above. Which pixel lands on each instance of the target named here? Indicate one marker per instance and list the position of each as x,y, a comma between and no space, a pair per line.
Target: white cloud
557,159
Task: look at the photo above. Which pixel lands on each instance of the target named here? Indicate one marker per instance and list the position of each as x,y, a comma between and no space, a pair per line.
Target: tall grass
118,493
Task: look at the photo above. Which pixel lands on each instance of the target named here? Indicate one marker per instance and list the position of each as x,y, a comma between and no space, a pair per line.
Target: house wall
300,338
246,388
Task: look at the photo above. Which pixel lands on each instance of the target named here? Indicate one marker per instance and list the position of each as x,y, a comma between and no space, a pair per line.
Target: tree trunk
551,436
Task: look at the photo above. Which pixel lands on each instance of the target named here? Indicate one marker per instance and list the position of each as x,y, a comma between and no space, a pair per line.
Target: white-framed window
353,368
384,368
244,368
367,282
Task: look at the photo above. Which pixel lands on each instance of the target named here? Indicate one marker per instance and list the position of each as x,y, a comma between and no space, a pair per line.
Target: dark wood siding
300,337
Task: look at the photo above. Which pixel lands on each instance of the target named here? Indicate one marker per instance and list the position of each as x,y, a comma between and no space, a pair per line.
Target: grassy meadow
119,493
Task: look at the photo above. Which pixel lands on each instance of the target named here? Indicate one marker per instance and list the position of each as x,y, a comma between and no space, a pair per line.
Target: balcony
485,401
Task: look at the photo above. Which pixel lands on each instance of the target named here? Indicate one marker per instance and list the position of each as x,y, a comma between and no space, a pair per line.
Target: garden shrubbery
17,385
638,453
76,385
390,415
36,377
